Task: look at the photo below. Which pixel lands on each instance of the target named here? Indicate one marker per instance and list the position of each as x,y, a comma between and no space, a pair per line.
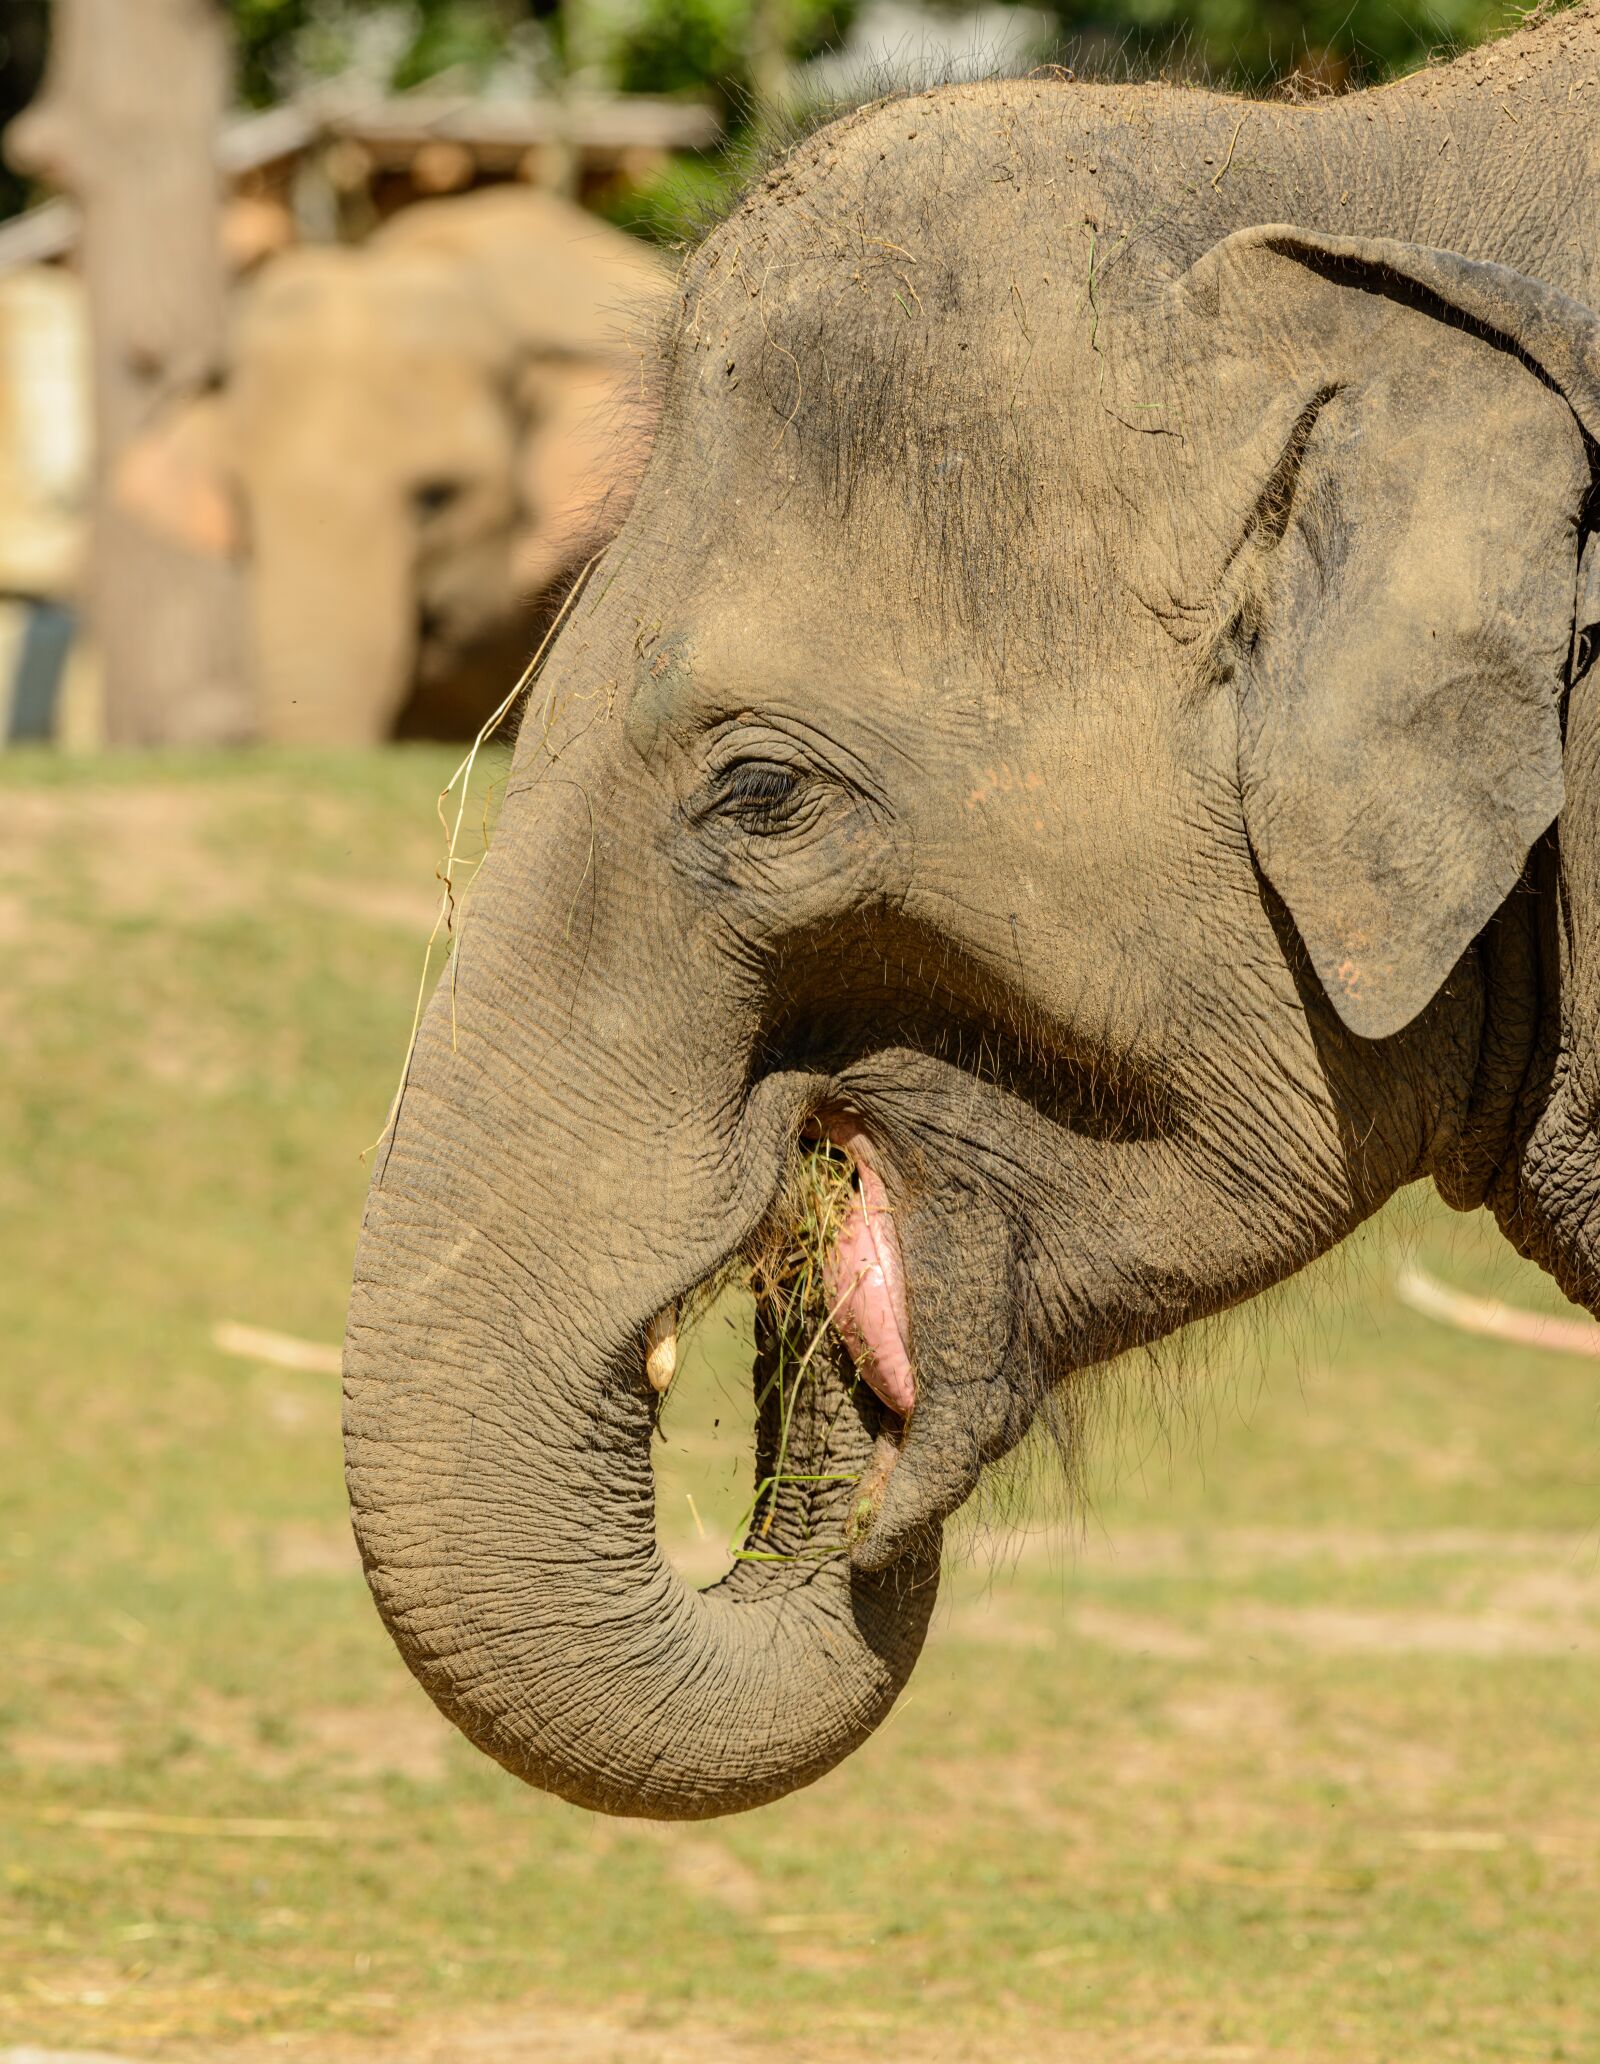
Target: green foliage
470,36
282,40
1261,40
641,46
682,46
265,31
24,29
686,46
676,45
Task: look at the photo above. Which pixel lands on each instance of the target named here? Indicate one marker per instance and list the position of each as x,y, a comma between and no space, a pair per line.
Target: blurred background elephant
417,443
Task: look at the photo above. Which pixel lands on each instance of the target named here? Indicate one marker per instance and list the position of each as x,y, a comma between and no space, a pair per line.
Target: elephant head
1076,714
417,441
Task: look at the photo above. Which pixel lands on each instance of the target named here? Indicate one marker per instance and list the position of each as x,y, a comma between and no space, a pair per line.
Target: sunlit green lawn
1285,1748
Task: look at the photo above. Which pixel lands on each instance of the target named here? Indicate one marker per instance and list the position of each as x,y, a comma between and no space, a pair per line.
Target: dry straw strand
444,920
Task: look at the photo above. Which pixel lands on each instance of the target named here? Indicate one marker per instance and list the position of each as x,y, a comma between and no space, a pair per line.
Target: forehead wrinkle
856,360
885,427
949,467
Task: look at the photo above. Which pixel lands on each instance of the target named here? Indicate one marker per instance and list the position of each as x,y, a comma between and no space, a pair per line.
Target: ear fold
1404,589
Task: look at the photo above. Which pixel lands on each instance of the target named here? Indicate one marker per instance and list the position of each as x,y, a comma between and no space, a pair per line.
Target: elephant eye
758,795
433,497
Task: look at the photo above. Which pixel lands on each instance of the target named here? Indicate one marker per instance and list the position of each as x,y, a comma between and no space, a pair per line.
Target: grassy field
1284,1749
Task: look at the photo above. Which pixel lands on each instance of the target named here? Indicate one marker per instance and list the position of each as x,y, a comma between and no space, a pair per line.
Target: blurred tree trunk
127,122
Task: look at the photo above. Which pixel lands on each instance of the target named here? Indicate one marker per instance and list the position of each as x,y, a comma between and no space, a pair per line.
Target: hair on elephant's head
416,442
1076,715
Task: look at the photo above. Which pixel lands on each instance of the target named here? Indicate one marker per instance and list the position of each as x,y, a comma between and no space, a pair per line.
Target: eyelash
760,797
757,794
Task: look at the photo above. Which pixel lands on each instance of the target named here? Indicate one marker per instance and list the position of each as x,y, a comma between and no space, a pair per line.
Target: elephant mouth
827,1272
895,1281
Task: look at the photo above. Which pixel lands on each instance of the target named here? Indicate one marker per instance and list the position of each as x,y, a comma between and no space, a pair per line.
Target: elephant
415,444
1092,713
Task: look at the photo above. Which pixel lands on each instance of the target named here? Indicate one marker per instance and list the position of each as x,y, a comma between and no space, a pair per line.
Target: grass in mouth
784,1272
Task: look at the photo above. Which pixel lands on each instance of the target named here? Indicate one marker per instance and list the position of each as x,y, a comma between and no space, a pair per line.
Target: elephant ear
1403,589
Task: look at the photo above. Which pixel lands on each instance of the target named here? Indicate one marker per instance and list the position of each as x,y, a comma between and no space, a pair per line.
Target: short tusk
661,1349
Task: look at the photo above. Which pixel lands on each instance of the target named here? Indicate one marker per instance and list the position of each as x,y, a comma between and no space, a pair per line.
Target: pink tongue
865,1287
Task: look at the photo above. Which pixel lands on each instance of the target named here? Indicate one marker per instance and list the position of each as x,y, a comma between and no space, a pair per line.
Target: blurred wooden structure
296,152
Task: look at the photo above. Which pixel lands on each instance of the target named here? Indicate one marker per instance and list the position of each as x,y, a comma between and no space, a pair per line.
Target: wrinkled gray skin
1084,690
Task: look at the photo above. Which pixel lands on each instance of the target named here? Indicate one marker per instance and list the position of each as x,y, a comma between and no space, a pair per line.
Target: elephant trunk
499,1418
